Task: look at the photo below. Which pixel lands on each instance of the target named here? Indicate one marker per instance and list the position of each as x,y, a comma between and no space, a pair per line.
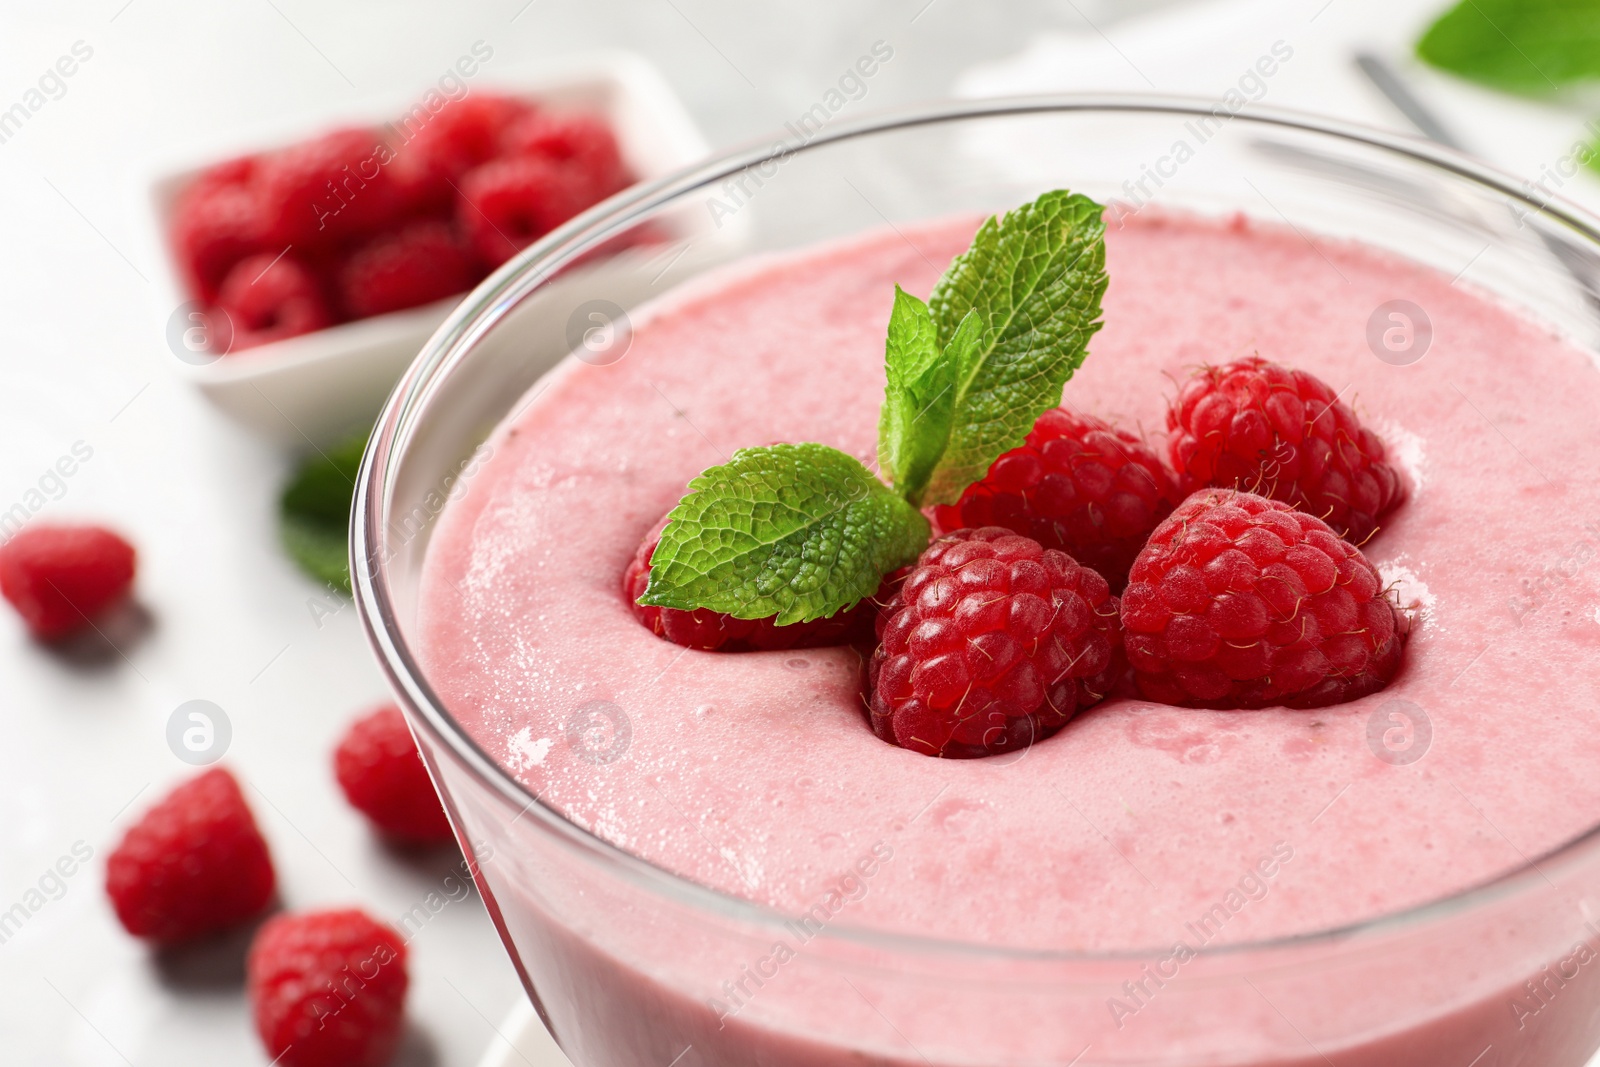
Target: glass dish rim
504,289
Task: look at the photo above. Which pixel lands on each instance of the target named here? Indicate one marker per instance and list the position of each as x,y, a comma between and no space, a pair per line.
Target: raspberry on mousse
1281,432
1078,484
1243,602
992,642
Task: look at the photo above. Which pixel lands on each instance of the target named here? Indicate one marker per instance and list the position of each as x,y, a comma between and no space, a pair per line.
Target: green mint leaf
918,403
1034,279
1532,47
795,531
314,512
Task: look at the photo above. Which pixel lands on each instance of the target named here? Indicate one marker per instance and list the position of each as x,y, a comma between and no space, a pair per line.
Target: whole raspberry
581,142
328,989
992,642
1077,484
384,778
463,134
1243,602
1256,426
268,298
230,173
418,264
507,204
712,631
434,151
195,864
61,578
319,192
217,220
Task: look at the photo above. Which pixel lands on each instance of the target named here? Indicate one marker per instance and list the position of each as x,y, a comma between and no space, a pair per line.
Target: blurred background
222,613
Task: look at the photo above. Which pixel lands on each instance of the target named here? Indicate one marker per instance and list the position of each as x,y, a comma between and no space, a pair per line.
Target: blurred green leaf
314,512
1531,47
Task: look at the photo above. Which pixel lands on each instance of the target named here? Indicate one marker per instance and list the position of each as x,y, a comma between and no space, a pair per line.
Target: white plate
320,386
524,1042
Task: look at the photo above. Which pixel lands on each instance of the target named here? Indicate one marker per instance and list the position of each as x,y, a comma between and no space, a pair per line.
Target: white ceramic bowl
315,388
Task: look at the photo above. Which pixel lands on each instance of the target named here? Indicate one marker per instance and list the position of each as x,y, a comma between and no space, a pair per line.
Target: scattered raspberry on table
62,578
328,989
195,864
992,642
712,631
383,777
1078,484
1282,433
1243,602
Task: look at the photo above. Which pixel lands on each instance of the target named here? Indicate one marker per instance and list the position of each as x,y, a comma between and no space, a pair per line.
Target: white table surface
84,359
230,620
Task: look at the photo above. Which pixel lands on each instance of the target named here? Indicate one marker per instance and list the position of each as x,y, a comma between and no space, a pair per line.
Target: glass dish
631,966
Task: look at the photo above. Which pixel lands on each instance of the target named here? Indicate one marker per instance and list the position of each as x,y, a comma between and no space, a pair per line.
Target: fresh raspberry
423,193
993,642
230,173
1243,602
418,264
217,221
328,989
269,298
194,865
319,192
464,134
383,777
582,142
433,152
712,631
1256,426
1077,484
61,578
507,204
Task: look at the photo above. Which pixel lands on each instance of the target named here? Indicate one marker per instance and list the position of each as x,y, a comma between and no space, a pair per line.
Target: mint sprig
920,398
802,531
1532,47
1035,277
796,531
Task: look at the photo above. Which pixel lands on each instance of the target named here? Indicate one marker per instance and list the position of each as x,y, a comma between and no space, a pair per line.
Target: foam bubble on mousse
1411,592
1406,449
526,751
